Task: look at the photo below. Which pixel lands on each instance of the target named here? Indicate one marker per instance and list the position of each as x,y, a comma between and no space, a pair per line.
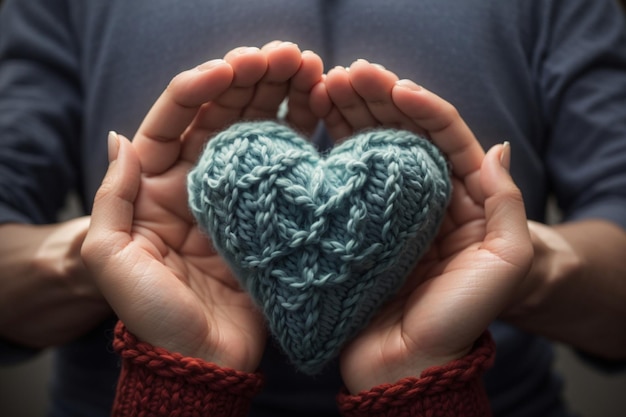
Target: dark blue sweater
549,76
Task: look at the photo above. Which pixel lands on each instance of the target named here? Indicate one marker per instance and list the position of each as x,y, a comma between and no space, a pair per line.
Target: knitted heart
319,242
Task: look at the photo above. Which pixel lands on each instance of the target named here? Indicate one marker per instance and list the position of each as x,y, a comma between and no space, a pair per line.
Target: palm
193,303
462,283
161,274
455,291
419,318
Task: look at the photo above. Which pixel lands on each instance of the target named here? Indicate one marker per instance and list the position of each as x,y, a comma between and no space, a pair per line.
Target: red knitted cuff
454,389
156,382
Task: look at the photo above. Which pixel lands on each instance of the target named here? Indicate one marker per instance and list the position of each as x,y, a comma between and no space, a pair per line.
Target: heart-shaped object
319,242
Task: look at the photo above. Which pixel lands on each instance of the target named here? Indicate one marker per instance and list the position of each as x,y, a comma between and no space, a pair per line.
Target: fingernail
210,64
505,156
248,50
272,44
409,85
113,145
380,67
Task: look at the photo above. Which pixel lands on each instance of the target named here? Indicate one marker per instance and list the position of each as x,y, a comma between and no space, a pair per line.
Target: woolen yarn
319,241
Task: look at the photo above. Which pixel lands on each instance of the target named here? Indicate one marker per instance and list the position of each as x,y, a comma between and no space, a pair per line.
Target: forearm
46,298
577,287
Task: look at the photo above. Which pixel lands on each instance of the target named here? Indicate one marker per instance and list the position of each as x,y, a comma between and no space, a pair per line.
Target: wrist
46,296
455,388
57,256
148,372
577,292
555,262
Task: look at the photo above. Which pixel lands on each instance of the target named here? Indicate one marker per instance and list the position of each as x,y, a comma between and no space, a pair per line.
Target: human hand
47,296
262,79
158,271
482,251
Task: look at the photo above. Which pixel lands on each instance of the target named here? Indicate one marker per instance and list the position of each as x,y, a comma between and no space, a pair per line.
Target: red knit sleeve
452,390
156,382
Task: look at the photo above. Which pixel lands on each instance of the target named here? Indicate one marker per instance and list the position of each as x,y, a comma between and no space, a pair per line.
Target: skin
561,296
574,290
158,271
55,300
483,251
171,289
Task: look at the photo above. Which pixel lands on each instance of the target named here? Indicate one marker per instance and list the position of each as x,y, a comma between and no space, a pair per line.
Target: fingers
290,74
118,258
251,83
248,83
361,99
374,84
283,61
507,232
263,78
249,66
310,74
477,282
112,214
367,95
350,112
445,128
158,138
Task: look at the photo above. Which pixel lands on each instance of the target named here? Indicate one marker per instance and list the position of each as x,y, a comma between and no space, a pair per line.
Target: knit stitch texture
157,383
319,242
453,389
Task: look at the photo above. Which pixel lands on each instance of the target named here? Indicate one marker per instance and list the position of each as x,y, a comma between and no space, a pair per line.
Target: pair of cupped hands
167,284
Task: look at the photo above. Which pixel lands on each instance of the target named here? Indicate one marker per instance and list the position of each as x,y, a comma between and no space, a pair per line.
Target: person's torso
474,53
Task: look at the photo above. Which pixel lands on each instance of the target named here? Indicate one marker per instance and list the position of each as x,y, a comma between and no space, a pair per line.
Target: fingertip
319,100
505,156
312,64
272,44
499,156
408,85
336,70
119,188
495,176
209,65
283,61
310,53
113,145
337,83
242,50
279,44
127,164
505,210
359,63
415,100
249,65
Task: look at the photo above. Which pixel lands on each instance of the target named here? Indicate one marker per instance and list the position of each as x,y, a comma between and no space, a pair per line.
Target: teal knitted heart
319,242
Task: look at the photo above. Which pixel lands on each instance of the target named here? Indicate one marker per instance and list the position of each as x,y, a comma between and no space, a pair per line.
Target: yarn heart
319,242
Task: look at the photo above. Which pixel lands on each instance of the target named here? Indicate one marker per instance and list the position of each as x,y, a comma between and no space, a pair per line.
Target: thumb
113,208
507,232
